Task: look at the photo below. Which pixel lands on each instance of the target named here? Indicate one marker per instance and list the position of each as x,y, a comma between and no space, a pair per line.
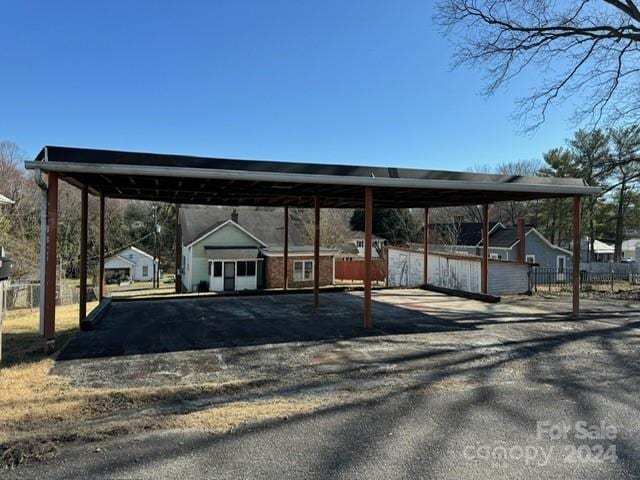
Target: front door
229,276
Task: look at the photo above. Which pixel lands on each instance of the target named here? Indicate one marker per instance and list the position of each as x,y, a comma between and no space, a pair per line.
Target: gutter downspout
43,239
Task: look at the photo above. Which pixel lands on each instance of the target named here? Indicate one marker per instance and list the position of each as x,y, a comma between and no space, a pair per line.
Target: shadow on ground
573,371
161,326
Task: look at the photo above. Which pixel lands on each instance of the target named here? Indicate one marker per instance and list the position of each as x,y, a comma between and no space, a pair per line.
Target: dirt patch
13,455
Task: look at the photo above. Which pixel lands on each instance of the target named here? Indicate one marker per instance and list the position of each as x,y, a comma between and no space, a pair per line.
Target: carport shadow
384,414
160,326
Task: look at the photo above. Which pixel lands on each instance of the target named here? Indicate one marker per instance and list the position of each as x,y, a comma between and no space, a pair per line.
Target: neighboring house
129,264
5,272
353,248
503,243
631,249
232,249
602,252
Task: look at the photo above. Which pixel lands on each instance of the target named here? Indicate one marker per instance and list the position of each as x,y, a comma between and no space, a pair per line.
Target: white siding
216,284
139,259
246,283
508,278
406,270
115,262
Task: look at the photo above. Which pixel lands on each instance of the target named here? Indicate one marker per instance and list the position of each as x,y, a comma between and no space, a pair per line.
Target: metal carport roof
221,181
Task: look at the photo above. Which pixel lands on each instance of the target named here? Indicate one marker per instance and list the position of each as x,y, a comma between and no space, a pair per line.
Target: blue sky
362,82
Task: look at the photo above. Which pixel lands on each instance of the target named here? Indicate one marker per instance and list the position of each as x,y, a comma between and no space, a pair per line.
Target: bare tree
446,224
585,46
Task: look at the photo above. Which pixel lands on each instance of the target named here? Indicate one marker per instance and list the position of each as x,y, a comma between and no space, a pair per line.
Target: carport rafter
183,180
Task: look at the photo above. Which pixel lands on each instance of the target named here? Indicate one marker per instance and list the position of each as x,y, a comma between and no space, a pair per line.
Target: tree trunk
617,252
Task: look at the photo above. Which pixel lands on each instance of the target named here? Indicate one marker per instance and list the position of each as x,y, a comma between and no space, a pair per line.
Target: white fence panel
450,271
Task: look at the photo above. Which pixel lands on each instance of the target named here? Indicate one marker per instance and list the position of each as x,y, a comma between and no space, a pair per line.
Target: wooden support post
368,227
178,251
50,263
484,266
521,241
84,220
425,247
316,251
575,262
101,247
285,253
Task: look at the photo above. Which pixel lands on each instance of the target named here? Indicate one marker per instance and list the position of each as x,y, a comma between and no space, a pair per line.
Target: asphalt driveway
460,389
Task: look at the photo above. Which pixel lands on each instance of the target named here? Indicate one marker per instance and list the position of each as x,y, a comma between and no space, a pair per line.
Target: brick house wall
273,271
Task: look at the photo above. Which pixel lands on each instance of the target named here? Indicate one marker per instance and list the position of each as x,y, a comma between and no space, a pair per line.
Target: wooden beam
575,262
178,251
50,263
285,260
368,227
425,247
101,248
484,266
84,220
316,251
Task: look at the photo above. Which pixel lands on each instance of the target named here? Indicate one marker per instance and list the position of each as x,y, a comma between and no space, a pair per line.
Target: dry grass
39,411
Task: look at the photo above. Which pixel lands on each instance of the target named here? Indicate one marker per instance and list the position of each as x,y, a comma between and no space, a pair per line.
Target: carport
218,181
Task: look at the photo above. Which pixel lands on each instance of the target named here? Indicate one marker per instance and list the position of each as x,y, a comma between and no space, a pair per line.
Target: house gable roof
505,237
221,226
141,252
469,233
359,235
267,225
118,257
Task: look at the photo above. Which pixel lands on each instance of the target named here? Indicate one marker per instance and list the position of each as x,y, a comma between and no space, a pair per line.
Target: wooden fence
354,270
27,295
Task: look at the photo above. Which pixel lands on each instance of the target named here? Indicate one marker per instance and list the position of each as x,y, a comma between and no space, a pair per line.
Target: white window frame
145,270
255,268
359,243
303,262
564,263
494,256
527,257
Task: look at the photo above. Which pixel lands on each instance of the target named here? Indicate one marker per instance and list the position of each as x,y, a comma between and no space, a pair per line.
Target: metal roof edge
220,174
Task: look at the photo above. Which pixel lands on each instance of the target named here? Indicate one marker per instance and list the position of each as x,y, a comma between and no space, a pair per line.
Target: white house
602,252
631,248
353,249
232,249
130,263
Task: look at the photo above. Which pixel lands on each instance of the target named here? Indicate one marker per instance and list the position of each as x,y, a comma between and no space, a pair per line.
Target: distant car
628,260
